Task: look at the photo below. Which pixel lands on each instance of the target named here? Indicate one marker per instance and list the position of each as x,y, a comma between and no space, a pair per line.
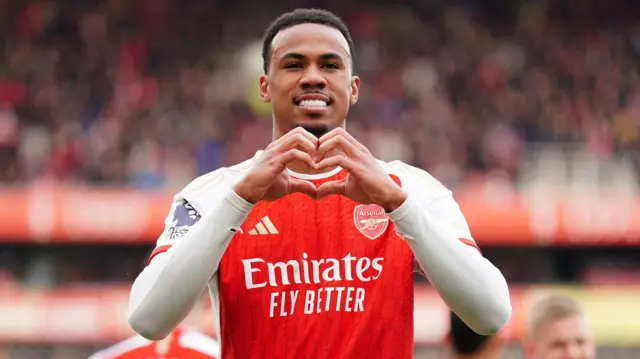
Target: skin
313,61
565,338
309,59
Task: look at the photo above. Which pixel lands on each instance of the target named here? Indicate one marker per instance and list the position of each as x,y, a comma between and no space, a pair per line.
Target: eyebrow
327,56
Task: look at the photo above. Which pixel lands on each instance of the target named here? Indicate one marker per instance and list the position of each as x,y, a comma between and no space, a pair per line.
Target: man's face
566,338
309,81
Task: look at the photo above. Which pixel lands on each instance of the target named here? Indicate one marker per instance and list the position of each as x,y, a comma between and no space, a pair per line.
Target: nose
313,79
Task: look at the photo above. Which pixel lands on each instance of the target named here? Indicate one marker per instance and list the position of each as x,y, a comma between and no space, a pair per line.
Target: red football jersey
322,279
308,278
180,344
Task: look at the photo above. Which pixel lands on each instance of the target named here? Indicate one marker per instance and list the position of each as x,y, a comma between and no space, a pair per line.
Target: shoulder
195,201
431,195
219,177
414,180
200,342
122,347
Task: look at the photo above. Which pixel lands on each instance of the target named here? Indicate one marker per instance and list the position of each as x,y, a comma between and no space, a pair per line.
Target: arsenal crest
371,220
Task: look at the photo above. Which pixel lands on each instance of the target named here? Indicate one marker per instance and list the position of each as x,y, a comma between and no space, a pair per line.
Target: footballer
308,249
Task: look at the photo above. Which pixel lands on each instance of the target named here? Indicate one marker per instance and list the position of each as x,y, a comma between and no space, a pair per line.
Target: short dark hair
464,340
299,17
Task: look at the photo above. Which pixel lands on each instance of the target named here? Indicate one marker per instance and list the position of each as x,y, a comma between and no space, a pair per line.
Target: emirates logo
370,220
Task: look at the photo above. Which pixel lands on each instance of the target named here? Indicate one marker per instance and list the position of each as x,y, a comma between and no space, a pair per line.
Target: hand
268,180
367,182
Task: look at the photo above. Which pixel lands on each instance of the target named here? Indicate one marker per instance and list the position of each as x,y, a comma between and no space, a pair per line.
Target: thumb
332,187
302,186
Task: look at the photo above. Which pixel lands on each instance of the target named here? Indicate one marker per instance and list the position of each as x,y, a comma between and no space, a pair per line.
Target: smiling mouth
312,103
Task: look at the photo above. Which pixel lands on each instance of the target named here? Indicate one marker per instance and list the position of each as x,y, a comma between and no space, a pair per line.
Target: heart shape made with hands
366,182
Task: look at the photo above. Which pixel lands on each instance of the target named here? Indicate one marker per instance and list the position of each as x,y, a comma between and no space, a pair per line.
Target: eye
330,66
293,65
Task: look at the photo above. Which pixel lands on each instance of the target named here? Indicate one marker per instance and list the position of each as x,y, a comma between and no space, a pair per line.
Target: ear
355,89
264,89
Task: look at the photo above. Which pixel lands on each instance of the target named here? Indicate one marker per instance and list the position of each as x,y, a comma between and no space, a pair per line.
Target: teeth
312,103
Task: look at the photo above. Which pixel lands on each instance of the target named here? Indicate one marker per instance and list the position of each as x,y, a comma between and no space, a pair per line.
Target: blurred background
528,110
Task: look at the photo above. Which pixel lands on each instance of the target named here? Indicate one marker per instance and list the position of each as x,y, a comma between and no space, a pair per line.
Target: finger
335,161
305,133
299,131
296,141
342,132
337,142
332,187
295,154
304,187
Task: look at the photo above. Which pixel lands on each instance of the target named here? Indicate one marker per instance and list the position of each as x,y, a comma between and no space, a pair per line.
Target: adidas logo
265,226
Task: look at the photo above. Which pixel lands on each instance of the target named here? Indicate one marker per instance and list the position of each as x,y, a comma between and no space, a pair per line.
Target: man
180,344
467,344
558,329
308,249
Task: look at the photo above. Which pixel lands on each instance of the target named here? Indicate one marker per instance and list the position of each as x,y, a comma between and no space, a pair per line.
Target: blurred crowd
154,92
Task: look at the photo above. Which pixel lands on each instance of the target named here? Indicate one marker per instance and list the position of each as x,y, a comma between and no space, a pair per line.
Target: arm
432,226
166,291
187,256
474,289
439,236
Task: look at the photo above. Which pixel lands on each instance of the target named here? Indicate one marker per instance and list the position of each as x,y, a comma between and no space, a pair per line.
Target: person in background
558,329
467,344
182,343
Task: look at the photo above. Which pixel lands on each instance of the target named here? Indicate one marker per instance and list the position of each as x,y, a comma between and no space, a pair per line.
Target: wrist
395,199
243,191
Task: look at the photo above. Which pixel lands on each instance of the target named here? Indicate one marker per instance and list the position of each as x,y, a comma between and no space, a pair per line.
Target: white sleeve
187,256
439,237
